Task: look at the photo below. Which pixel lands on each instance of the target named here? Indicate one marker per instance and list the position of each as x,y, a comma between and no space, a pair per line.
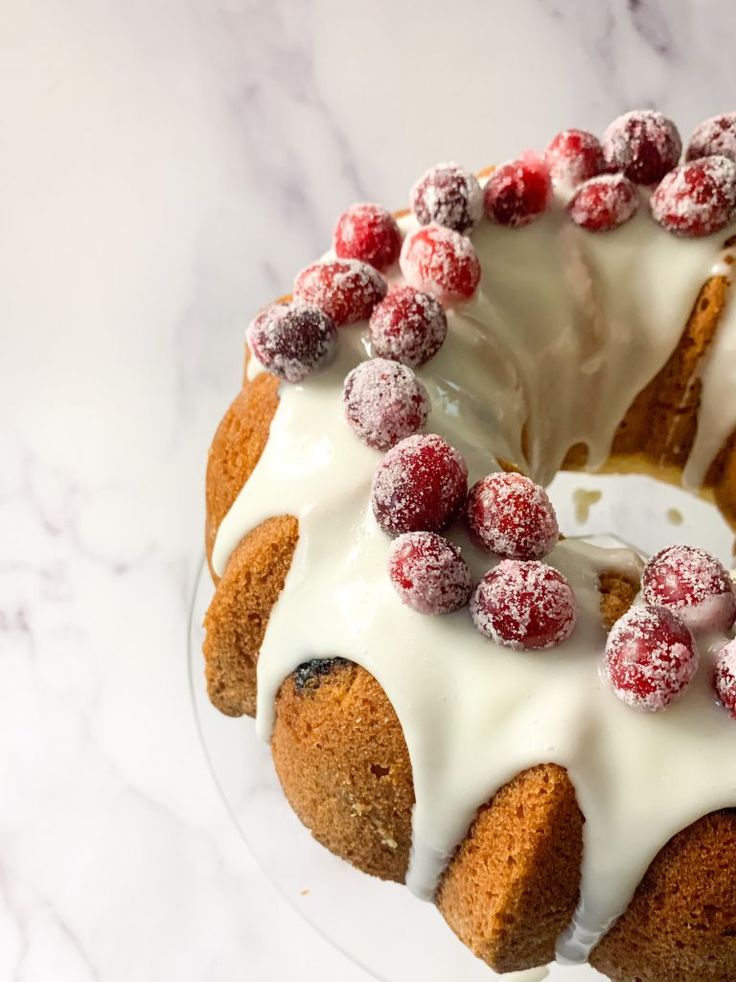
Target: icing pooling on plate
562,355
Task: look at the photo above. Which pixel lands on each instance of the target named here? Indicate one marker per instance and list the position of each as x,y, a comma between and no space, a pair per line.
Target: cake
512,723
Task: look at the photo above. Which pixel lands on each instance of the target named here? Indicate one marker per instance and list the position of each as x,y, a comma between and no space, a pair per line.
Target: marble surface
165,167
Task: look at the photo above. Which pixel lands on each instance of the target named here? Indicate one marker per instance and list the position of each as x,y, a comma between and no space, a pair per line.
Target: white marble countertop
165,167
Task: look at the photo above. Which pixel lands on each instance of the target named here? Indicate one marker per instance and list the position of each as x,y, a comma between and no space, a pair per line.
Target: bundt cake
536,733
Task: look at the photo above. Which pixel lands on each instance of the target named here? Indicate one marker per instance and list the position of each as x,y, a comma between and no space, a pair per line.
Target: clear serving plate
380,926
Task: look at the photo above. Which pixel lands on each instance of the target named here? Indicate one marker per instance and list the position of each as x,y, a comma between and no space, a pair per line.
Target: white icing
566,328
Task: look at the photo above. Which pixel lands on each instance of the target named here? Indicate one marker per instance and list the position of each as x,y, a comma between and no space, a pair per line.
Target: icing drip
561,355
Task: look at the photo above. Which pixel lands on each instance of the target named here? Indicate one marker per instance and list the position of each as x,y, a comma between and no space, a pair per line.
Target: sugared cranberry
512,516
650,658
524,605
408,326
643,144
724,677
384,402
429,573
698,198
715,137
368,233
603,203
419,486
347,290
574,156
292,340
692,582
518,192
440,262
448,195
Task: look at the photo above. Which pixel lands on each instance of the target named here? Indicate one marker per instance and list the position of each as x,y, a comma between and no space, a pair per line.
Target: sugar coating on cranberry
449,195
518,192
692,582
419,486
698,198
429,573
512,516
715,137
574,156
408,326
292,340
524,605
724,677
650,658
346,289
643,144
440,262
603,203
384,402
369,233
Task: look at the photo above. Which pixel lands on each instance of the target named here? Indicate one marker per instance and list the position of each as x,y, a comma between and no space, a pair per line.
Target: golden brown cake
577,348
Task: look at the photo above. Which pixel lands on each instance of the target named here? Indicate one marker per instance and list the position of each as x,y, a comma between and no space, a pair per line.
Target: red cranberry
419,486
518,192
650,658
724,677
448,195
715,137
440,262
604,203
429,573
643,144
384,402
292,340
698,198
524,605
574,156
512,516
692,582
368,233
347,290
408,326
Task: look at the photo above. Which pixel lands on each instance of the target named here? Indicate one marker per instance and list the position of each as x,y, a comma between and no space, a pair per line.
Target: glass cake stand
380,926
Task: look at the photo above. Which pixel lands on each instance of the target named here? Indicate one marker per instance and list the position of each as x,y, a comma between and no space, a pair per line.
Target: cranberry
650,658
347,290
724,677
524,605
368,233
698,198
692,582
518,192
512,516
643,144
448,195
603,203
384,402
574,156
292,340
715,137
440,262
429,573
419,486
408,326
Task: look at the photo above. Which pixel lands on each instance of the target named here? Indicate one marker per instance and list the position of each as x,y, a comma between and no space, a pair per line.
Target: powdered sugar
449,195
369,233
724,677
519,191
603,203
692,582
643,144
292,340
408,326
384,402
650,658
698,198
429,573
512,516
347,290
440,262
714,137
524,605
574,156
